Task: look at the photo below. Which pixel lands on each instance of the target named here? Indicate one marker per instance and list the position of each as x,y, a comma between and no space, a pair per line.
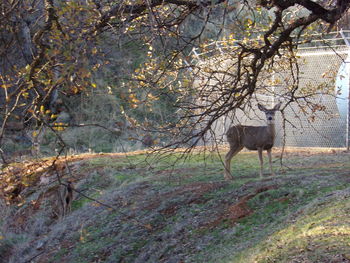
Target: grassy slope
187,213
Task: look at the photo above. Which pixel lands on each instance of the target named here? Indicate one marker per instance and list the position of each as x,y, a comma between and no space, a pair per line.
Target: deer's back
251,137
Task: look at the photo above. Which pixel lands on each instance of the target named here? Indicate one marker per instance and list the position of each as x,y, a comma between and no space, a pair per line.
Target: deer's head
270,113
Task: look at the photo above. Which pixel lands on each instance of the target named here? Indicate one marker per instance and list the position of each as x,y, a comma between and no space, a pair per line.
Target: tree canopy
141,50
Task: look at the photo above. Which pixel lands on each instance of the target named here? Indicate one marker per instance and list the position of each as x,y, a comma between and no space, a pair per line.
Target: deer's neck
271,129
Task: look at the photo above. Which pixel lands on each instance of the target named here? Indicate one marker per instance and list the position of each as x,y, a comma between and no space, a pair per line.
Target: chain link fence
319,67
319,120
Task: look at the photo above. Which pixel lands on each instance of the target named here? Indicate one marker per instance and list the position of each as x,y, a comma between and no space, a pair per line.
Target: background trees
59,57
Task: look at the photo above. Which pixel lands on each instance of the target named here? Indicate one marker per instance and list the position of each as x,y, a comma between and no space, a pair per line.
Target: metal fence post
348,119
348,113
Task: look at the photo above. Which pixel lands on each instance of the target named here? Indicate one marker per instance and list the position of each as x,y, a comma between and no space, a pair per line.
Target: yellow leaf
9,188
93,85
21,203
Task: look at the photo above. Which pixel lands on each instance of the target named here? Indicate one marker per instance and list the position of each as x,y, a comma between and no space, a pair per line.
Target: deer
68,198
65,197
258,138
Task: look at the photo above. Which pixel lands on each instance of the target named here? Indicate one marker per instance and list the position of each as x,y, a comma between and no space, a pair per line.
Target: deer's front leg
260,150
270,161
228,158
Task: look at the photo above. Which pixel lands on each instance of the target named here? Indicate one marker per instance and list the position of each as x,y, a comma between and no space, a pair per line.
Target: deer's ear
261,107
277,106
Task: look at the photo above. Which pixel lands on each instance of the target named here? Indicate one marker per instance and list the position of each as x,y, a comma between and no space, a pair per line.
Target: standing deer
253,138
68,198
65,197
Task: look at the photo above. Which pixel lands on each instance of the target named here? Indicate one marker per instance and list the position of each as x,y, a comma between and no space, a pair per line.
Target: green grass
249,240
320,233
271,210
300,218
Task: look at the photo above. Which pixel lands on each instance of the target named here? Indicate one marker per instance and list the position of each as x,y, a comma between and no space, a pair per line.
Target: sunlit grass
320,232
292,220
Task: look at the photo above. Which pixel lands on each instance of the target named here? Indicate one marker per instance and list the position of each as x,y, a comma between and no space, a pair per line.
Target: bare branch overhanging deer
256,138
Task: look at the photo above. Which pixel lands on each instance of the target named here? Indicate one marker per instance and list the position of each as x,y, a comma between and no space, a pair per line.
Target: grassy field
137,207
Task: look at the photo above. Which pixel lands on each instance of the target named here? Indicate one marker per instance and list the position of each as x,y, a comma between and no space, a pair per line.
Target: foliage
140,53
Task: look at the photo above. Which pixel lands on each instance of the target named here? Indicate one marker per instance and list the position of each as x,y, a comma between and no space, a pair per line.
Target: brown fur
66,197
253,138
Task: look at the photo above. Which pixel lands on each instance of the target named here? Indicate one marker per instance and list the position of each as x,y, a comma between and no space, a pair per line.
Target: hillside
139,208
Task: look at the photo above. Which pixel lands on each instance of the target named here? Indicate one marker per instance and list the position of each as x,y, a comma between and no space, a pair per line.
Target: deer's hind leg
234,149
